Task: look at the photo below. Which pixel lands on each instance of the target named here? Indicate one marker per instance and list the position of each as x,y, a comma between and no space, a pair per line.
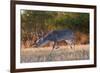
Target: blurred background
35,24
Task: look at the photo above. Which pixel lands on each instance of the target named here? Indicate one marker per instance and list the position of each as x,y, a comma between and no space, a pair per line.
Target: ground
64,53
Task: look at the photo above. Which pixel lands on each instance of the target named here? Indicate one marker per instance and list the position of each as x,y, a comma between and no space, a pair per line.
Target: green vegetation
49,20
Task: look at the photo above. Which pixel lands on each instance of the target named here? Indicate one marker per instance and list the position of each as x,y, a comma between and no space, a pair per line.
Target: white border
60,63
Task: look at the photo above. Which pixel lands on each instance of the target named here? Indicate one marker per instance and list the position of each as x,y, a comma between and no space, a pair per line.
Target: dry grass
79,52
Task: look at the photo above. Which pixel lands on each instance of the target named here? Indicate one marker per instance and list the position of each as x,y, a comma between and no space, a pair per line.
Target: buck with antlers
57,36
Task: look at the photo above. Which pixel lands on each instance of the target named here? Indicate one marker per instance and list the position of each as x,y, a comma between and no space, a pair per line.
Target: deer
55,36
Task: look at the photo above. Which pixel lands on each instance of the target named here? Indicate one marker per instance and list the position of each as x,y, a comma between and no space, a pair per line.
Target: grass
64,53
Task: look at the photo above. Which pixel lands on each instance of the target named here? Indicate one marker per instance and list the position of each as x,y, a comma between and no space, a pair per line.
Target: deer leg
57,46
51,50
72,44
54,45
69,42
66,41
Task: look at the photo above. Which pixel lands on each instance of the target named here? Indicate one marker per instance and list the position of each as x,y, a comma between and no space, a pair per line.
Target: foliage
37,22
50,20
